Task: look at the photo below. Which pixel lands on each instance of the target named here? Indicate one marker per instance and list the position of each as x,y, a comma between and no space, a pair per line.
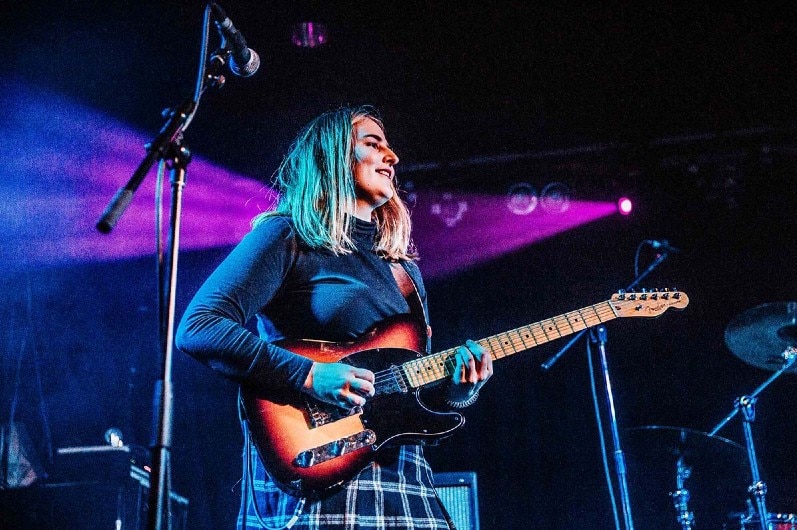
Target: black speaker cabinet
460,497
91,488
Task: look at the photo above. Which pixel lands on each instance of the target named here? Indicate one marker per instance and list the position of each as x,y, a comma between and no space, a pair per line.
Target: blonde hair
316,182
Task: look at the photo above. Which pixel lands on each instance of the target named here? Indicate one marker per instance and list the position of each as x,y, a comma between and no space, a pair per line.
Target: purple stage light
62,164
624,206
489,229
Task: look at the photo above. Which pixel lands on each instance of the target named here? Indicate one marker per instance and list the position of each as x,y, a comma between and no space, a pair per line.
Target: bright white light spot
624,206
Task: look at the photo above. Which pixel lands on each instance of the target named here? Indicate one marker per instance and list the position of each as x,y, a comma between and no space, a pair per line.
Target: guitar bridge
321,413
334,449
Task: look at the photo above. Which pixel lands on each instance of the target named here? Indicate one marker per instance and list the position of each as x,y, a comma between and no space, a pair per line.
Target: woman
322,266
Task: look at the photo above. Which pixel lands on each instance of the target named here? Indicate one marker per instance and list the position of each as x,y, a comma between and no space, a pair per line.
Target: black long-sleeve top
295,292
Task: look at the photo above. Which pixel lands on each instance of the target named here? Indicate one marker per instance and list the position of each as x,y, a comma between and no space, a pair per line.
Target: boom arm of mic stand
179,119
552,360
155,151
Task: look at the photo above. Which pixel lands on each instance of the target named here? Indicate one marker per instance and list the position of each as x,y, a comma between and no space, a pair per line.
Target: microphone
244,61
664,245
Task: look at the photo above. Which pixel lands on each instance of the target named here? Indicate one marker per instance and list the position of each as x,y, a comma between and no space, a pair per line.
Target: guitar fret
433,368
413,374
450,362
582,319
557,322
595,318
527,335
551,330
502,345
509,342
492,345
539,333
428,369
498,347
576,321
574,317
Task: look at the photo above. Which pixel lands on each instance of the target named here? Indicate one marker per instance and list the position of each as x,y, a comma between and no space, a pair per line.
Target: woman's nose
391,157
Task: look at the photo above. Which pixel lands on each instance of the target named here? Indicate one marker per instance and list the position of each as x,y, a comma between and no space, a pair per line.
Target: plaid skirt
394,492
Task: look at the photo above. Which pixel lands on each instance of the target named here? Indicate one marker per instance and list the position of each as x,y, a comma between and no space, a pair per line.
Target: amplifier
90,488
460,497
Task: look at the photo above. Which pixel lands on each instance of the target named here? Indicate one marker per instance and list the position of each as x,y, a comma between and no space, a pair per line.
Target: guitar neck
432,368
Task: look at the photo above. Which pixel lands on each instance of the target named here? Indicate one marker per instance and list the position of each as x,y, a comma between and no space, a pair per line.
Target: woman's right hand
340,384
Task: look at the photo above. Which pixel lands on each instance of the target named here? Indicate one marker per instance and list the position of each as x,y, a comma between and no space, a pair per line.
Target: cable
248,493
636,258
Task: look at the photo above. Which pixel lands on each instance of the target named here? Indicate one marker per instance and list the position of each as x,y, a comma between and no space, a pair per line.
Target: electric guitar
311,446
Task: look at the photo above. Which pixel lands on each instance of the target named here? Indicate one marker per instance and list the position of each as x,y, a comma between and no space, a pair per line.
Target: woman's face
373,168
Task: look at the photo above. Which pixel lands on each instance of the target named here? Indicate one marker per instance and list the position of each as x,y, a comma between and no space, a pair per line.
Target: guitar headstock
647,303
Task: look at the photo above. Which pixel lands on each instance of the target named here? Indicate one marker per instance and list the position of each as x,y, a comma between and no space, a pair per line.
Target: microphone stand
169,150
619,458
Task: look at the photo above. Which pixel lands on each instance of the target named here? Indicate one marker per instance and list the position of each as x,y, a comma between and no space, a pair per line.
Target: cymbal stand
681,495
746,405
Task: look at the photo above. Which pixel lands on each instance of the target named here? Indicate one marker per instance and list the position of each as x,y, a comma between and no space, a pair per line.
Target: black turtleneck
295,292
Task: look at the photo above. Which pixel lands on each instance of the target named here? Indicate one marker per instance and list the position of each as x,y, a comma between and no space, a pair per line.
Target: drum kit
703,471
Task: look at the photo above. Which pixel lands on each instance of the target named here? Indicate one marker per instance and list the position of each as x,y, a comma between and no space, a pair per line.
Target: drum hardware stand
681,495
746,405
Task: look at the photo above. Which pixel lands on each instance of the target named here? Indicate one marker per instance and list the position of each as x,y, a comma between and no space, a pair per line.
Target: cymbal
717,482
760,335
682,441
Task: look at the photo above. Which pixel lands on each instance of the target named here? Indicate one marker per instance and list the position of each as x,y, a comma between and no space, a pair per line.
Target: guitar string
439,368
538,333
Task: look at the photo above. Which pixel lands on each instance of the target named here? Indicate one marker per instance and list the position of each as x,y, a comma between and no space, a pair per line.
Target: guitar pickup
320,413
334,449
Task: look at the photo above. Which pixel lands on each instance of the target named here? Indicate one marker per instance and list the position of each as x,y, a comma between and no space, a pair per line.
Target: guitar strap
403,280
410,292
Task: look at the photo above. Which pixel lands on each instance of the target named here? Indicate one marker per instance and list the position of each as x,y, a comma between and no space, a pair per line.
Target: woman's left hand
474,367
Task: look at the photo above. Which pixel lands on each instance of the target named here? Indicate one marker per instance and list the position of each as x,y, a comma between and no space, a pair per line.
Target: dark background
689,111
